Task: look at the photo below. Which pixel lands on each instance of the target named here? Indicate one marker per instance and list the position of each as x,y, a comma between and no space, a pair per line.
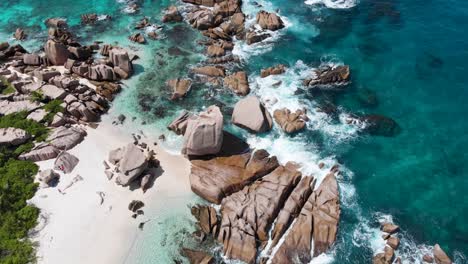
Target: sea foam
334,4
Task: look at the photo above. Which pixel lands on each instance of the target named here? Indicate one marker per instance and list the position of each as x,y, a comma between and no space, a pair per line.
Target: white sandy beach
78,228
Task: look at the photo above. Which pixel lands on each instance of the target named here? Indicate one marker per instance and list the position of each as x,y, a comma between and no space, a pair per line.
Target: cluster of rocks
150,29
220,22
390,231
40,78
131,164
61,139
257,194
92,18
388,256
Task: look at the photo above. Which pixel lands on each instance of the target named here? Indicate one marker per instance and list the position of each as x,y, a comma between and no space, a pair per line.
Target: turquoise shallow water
408,62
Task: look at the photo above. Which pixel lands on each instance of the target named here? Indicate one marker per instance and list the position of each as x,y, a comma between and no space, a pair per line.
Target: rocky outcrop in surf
328,75
289,121
280,198
217,178
249,113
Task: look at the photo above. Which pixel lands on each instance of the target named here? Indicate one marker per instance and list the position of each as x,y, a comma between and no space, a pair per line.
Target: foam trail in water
334,4
250,9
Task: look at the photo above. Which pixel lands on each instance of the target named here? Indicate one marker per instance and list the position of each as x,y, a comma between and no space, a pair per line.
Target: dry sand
78,228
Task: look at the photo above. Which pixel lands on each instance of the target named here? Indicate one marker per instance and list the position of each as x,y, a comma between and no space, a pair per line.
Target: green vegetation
37,96
17,186
5,86
16,216
53,107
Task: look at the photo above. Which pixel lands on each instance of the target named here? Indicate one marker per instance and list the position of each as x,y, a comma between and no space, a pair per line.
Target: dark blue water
408,62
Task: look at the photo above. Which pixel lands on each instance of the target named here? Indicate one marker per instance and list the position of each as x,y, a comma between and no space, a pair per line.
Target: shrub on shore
17,186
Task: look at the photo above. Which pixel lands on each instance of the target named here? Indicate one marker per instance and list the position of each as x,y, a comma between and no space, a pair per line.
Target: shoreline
78,228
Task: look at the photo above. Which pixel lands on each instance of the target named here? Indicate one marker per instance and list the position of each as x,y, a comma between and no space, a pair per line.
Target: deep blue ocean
408,60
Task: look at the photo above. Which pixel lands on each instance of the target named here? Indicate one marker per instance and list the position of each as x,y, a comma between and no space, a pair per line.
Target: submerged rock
219,177
380,125
179,87
204,133
249,113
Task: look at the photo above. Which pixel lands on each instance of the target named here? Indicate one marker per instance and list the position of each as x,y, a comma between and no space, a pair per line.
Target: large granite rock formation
13,136
249,113
131,163
204,133
292,208
66,138
101,72
318,220
9,107
56,52
217,178
248,214
121,61
53,92
41,152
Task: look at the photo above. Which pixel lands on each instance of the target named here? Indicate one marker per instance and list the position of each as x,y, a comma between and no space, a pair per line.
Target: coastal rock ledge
257,194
